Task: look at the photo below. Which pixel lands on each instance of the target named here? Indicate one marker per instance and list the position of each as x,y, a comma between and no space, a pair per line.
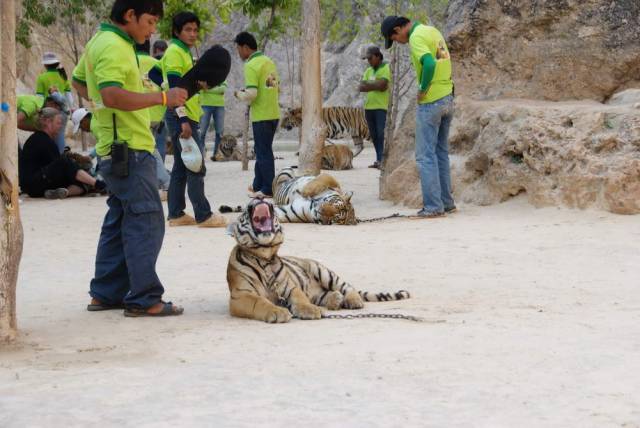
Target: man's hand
186,130
421,95
53,89
177,97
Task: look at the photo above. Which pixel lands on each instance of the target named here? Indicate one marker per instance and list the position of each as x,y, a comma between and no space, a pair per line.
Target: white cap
77,117
50,58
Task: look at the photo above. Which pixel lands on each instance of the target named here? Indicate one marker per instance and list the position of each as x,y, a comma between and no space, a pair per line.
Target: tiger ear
347,196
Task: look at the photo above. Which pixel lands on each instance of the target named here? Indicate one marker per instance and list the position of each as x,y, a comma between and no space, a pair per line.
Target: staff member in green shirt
212,101
184,123
375,82
261,93
133,228
28,107
432,63
54,80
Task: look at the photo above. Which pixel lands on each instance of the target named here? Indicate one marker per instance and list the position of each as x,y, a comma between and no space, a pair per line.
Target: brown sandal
168,309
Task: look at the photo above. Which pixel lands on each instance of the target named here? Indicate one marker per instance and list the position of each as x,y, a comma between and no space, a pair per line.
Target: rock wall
580,148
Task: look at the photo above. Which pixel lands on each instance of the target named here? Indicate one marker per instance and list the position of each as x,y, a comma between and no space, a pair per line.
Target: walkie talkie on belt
119,154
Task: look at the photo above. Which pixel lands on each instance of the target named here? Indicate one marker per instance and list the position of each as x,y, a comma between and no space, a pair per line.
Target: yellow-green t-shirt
30,105
110,60
377,100
424,39
214,97
260,72
51,78
147,62
176,61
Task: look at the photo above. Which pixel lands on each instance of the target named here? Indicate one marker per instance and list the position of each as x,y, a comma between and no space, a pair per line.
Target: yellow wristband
164,98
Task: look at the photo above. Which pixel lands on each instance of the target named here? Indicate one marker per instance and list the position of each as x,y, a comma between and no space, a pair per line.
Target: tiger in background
230,150
310,199
267,287
340,122
336,157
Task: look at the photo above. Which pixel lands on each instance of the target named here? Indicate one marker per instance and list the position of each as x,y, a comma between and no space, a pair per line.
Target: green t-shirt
51,78
260,72
110,60
424,39
176,61
30,105
214,97
377,100
147,62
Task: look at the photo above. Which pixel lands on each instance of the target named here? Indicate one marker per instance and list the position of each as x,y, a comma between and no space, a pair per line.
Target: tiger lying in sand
267,287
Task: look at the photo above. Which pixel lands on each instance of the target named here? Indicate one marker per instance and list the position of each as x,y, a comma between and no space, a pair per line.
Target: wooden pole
313,130
11,236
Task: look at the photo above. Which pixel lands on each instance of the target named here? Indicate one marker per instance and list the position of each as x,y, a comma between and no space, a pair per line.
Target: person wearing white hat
81,119
54,80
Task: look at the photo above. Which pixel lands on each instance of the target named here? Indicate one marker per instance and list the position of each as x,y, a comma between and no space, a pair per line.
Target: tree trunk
10,226
312,130
392,114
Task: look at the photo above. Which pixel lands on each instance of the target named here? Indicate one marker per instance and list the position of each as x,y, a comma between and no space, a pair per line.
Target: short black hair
120,7
401,21
143,47
181,19
160,45
246,39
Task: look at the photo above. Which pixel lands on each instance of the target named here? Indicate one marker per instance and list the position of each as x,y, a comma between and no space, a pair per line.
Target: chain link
394,316
371,220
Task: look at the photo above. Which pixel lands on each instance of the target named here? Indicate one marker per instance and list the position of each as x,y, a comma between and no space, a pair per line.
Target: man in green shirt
133,229
432,63
28,107
212,101
375,82
183,123
54,81
261,93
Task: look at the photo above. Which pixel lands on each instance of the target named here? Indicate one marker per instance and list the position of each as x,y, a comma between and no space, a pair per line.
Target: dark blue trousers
131,236
376,121
263,133
184,179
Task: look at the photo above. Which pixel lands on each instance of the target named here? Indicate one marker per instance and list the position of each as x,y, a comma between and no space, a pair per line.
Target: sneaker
59,193
216,220
376,165
185,220
451,210
423,213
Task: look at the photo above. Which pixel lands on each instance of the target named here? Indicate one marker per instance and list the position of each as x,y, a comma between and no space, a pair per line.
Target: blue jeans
60,143
131,236
376,120
182,178
160,135
263,133
432,153
217,113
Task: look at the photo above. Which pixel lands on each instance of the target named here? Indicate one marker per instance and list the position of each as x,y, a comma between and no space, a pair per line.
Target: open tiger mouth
261,218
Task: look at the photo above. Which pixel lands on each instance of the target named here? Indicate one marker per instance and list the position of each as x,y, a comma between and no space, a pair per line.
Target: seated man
43,171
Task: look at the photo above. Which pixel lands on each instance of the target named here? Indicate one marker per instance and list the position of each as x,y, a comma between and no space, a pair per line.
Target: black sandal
93,307
168,309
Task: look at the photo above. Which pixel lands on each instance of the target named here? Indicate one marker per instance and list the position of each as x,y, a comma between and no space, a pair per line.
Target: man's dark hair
401,21
181,19
246,39
143,47
120,7
160,45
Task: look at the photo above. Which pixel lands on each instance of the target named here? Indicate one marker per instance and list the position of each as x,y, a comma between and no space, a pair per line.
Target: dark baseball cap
386,28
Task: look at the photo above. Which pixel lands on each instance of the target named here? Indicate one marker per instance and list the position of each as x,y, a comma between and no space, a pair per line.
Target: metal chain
395,316
371,220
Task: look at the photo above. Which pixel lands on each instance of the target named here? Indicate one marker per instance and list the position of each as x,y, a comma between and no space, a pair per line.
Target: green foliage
270,19
202,8
48,12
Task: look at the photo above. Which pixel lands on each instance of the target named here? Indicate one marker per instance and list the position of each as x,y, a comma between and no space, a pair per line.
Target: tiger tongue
261,218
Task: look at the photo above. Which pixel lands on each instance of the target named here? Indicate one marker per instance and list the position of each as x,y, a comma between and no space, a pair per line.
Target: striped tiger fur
230,150
337,157
310,199
340,122
272,288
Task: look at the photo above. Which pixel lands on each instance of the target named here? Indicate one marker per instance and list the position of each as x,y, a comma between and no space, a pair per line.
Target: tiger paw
307,311
352,300
334,300
277,315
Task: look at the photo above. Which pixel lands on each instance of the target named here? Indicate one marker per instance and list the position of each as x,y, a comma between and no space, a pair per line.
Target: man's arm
428,70
82,89
376,85
121,99
22,119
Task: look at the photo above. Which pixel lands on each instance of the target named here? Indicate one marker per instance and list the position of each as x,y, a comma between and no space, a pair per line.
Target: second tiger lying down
310,199
268,287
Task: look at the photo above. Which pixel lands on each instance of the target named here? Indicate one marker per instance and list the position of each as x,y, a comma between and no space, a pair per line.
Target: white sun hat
191,155
50,58
77,117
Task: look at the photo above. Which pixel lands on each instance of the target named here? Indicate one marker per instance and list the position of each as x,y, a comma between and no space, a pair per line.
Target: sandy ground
541,311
